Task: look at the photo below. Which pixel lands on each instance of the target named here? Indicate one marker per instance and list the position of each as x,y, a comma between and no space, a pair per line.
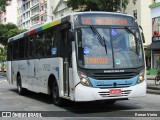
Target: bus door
30,63
65,54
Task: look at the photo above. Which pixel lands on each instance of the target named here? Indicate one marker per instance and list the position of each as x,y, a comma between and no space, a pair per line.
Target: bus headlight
141,77
84,79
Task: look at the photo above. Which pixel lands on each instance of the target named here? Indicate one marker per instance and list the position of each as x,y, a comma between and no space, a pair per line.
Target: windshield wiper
99,37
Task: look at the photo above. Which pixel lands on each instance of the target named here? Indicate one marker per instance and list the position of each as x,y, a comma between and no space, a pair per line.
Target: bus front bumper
83,93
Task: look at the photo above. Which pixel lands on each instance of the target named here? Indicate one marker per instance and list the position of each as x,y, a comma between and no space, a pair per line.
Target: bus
84,56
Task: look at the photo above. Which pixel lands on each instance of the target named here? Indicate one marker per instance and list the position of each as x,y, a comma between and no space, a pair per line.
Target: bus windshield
122,48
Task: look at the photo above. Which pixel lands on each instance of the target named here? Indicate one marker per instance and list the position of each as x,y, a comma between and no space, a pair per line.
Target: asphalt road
11,101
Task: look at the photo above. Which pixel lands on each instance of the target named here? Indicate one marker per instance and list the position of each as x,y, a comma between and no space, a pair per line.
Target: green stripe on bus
51,24
46,26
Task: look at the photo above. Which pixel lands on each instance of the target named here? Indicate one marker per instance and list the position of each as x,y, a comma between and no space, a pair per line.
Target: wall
146,20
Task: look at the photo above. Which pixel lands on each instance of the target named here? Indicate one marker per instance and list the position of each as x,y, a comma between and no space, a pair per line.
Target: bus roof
59,21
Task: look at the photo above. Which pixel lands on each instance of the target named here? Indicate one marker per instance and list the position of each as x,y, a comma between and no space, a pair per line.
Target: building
10,15
61,9
155,25
141,11
32,13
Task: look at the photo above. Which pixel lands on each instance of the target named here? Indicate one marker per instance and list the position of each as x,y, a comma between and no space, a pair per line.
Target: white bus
85,56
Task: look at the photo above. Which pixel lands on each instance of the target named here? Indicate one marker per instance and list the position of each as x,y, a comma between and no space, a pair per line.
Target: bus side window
10,51
40,47
31,47
26,47
21,48
51,43
15,49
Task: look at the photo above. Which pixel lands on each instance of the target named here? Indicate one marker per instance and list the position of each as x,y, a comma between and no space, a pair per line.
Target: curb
150,79
153,91
154,87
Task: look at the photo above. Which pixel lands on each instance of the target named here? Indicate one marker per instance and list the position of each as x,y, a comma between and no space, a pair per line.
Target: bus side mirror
142,34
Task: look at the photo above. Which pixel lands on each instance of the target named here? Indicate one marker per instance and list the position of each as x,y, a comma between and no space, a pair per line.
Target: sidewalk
151,87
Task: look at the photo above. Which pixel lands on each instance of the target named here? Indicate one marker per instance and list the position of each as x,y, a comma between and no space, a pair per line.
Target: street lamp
121,1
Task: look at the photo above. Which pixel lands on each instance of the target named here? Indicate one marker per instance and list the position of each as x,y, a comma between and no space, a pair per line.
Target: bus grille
107,94
113,76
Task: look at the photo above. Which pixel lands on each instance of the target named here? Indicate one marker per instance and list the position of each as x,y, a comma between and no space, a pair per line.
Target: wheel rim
19,85
156,80
19,89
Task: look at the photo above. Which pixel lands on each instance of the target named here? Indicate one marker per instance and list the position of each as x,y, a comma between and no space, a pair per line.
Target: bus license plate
115,91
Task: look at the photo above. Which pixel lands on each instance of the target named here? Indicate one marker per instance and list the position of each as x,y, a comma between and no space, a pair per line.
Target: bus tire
21,90
55,95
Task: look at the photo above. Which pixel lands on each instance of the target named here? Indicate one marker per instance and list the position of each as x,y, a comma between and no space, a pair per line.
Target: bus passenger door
65,53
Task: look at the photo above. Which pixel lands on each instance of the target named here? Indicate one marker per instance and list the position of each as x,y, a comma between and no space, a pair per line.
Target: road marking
3,81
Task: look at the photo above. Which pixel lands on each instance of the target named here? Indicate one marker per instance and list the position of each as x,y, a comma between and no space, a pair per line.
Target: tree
8,30
3,54
96,5
3,4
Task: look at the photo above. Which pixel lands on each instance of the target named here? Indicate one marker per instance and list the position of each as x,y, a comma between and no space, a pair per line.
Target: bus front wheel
55,95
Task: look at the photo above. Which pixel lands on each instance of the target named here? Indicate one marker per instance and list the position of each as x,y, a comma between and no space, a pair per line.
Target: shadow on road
83,108
36,96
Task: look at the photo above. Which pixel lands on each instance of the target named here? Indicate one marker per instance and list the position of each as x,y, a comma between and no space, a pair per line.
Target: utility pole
121,6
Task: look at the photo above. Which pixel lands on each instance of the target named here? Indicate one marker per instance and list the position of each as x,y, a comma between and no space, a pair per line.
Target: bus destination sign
106,20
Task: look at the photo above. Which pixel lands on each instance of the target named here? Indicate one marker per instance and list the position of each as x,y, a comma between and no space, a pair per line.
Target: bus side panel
14,71
9,72
43,69
23,70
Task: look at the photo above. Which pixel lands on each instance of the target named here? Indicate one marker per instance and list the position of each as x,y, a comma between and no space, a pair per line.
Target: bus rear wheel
19,86
55,95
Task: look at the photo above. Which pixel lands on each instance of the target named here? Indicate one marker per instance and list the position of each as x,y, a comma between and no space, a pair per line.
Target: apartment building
61,9
23,10
10,15
32,13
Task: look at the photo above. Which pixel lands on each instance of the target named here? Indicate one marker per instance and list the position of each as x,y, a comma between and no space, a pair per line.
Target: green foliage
148,53
7,31
96,5
3,54
3,4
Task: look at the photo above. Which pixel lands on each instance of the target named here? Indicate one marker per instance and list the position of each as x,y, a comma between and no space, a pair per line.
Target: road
11,101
